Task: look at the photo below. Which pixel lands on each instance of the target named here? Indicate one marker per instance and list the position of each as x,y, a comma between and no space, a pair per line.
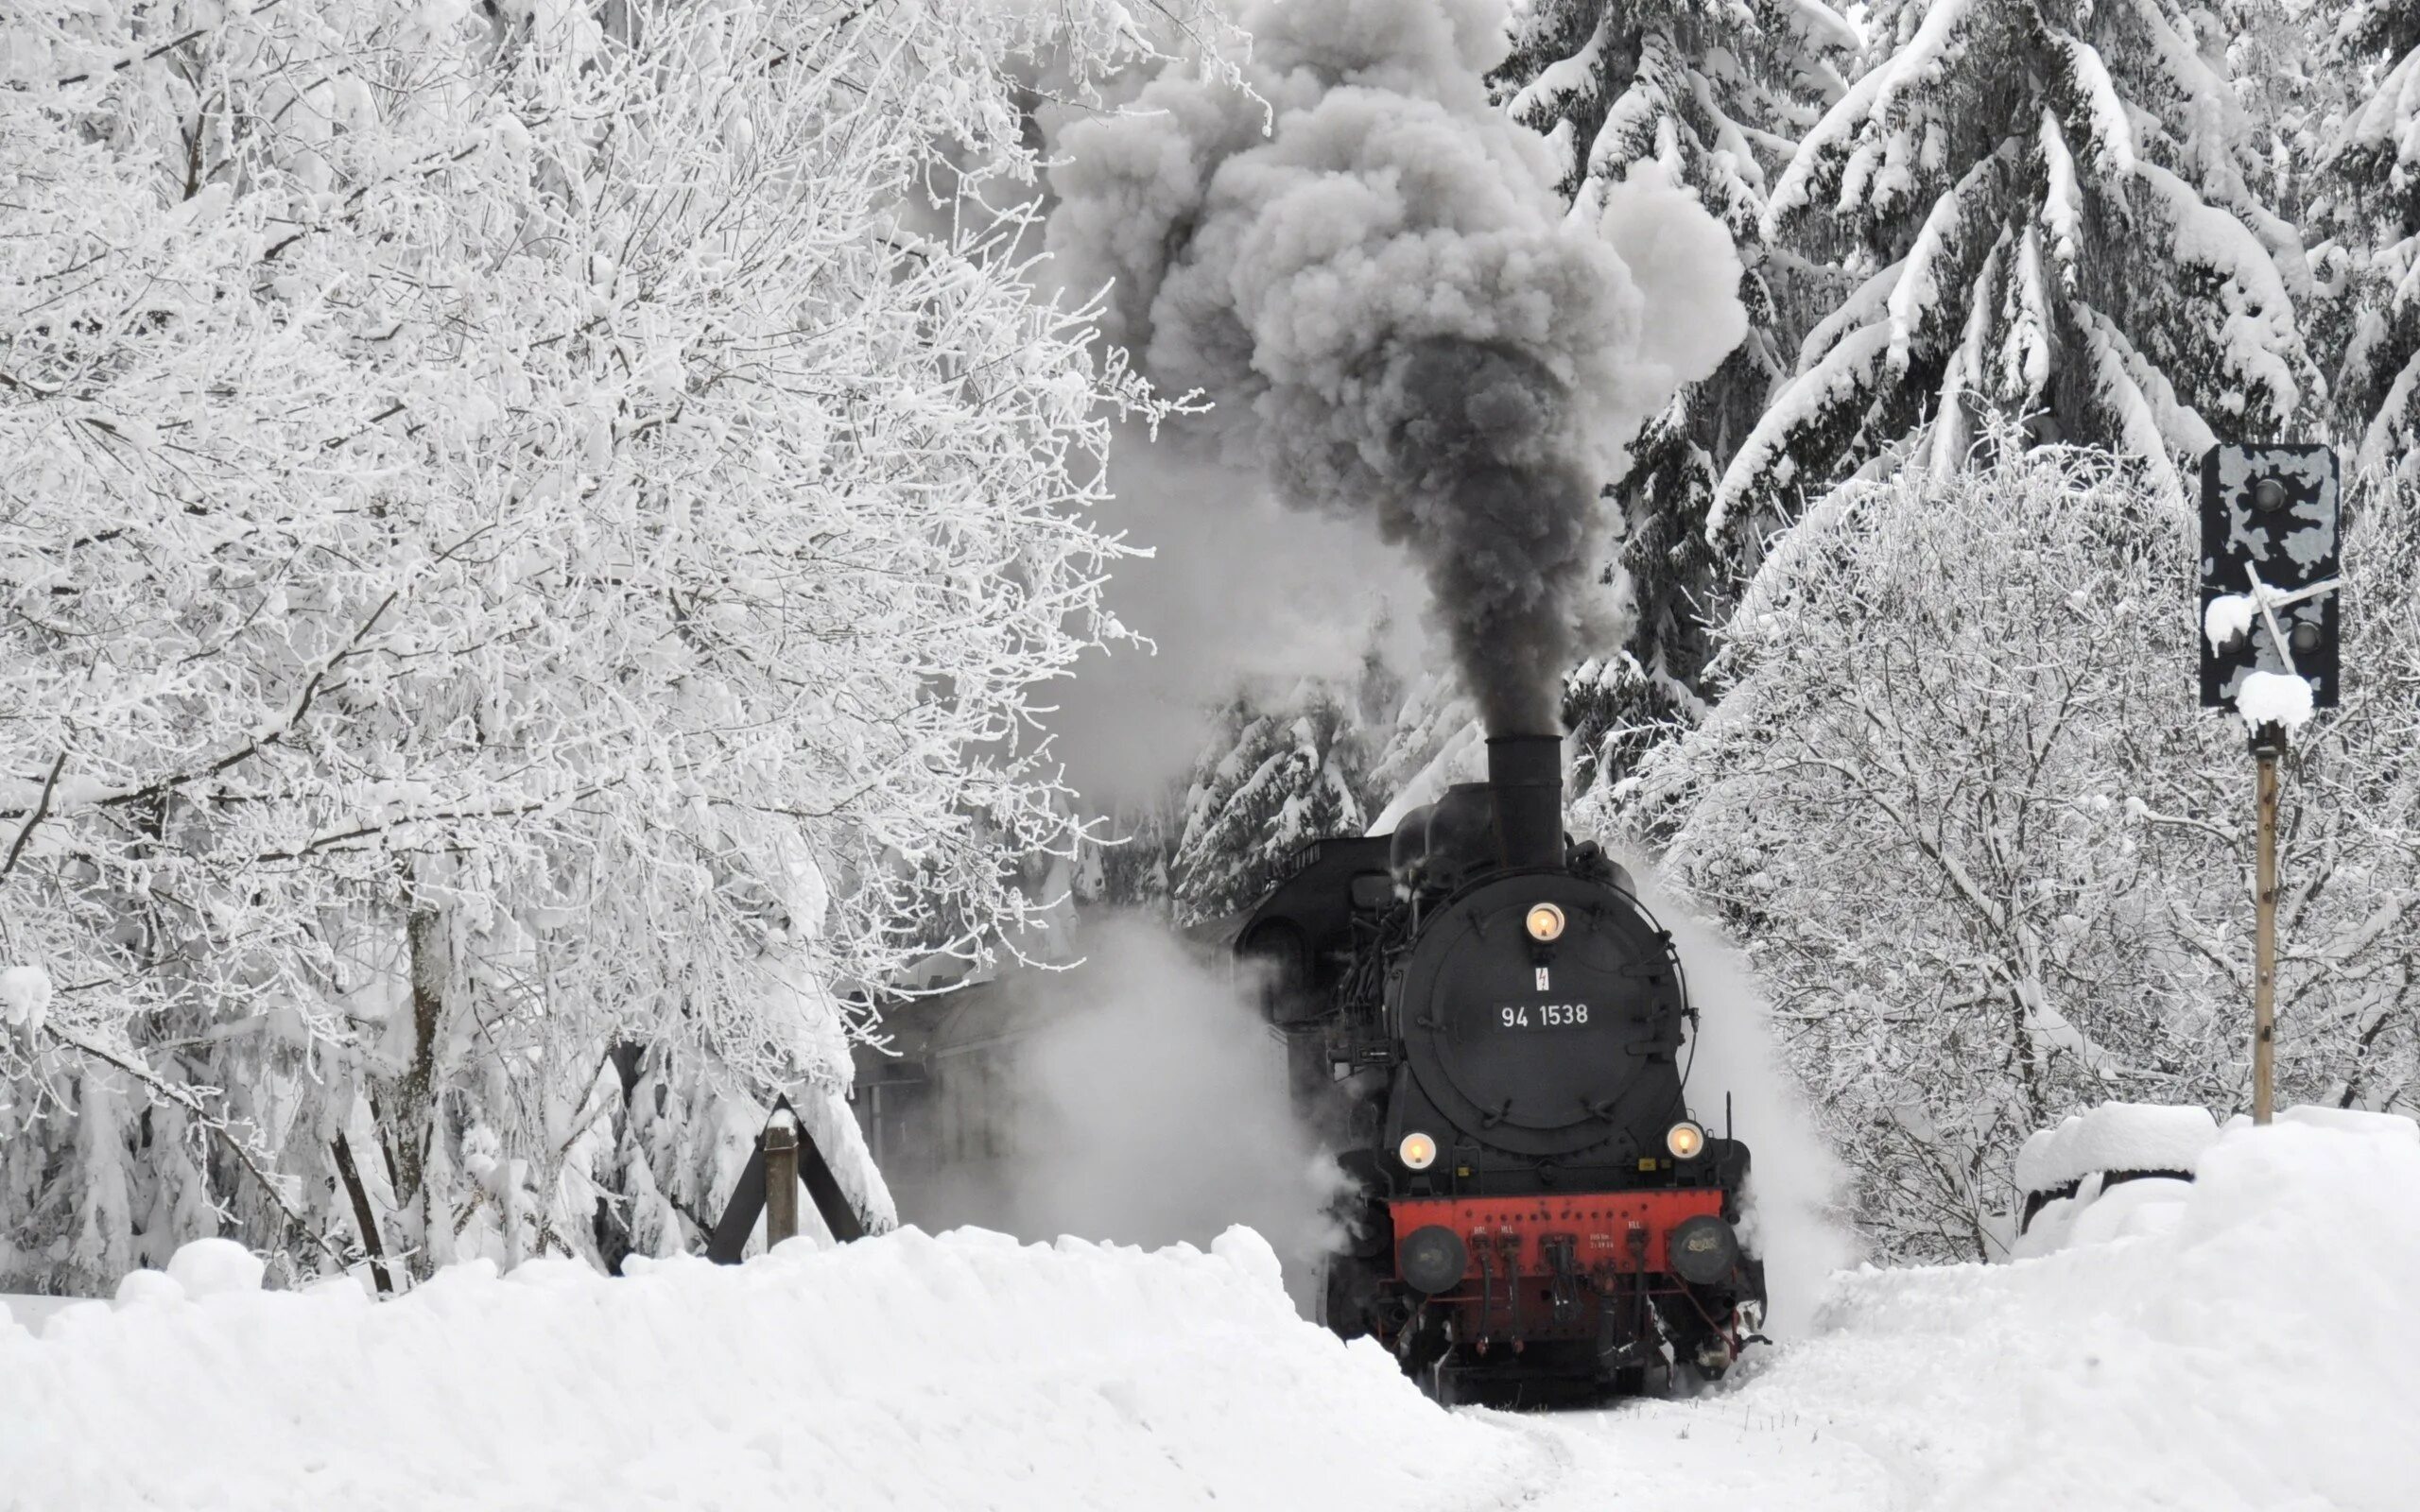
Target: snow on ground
2256,1347
908,1371
31,1312
2260,1348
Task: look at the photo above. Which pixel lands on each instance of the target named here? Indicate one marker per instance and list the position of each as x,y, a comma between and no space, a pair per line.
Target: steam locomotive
1492,1030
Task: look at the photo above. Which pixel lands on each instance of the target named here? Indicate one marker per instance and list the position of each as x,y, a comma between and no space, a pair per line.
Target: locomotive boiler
1494,1032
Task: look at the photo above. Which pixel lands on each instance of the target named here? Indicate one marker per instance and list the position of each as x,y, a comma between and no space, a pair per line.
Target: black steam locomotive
1488,1026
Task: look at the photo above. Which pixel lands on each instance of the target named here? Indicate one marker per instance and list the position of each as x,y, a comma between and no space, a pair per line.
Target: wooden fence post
760,1189
781,1178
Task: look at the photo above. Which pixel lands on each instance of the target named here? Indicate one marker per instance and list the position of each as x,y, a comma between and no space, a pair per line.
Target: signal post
2268,743
2271,618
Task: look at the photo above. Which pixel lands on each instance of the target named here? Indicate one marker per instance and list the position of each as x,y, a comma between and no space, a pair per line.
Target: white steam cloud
1149,1109
1241,596
1395,317
1796,1185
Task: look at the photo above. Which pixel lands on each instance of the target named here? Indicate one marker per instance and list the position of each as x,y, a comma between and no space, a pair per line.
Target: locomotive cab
1492,1032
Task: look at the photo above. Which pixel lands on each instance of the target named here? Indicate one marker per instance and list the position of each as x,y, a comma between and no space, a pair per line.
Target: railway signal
2271,615
2268,570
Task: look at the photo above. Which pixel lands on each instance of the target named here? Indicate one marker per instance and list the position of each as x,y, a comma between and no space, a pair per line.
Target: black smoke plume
1501,510
1367,270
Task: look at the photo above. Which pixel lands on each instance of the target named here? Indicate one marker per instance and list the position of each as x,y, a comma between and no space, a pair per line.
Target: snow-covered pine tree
1712,94
1329,758
1129,862
1266,784
2048,201
2377,161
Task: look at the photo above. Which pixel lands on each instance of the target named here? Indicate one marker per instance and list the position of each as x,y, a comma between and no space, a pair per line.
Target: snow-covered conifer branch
2128,147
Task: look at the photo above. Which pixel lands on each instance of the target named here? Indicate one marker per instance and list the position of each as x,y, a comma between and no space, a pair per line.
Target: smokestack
1525,772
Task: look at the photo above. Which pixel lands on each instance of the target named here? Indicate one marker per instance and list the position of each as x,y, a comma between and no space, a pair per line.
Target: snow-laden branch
522,539
1988,854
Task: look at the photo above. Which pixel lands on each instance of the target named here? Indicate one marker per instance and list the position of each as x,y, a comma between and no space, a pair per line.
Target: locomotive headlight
1685,1139
1418,1152
1546,922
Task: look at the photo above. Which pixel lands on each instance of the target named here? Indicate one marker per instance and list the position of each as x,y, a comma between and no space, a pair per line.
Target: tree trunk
407,1109
364,1220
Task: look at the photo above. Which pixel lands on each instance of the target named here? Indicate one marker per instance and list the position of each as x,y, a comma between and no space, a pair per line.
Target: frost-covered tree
1713,95
2049,207
525,535
2377,160
1992,862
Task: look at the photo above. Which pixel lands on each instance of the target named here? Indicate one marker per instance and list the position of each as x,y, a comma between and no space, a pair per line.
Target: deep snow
2254,1344
2250,1341
909,1371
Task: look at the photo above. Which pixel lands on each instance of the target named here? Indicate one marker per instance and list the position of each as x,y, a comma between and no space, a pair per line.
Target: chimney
1526,774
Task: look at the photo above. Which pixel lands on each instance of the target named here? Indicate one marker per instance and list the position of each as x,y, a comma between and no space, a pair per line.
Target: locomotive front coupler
1616,1348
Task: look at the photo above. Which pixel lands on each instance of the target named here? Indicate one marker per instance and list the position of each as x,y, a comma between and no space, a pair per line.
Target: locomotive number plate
1541,1016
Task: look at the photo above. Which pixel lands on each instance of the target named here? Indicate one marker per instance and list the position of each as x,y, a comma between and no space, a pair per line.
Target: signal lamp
1418,1152
1685,1139
1545,922
2269,495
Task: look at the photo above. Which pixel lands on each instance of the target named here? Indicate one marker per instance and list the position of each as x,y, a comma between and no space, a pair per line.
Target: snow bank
2088,1159
2349,1120
907,1372
2260,1350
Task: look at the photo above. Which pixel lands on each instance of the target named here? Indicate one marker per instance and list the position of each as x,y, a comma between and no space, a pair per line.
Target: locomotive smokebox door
2269,513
